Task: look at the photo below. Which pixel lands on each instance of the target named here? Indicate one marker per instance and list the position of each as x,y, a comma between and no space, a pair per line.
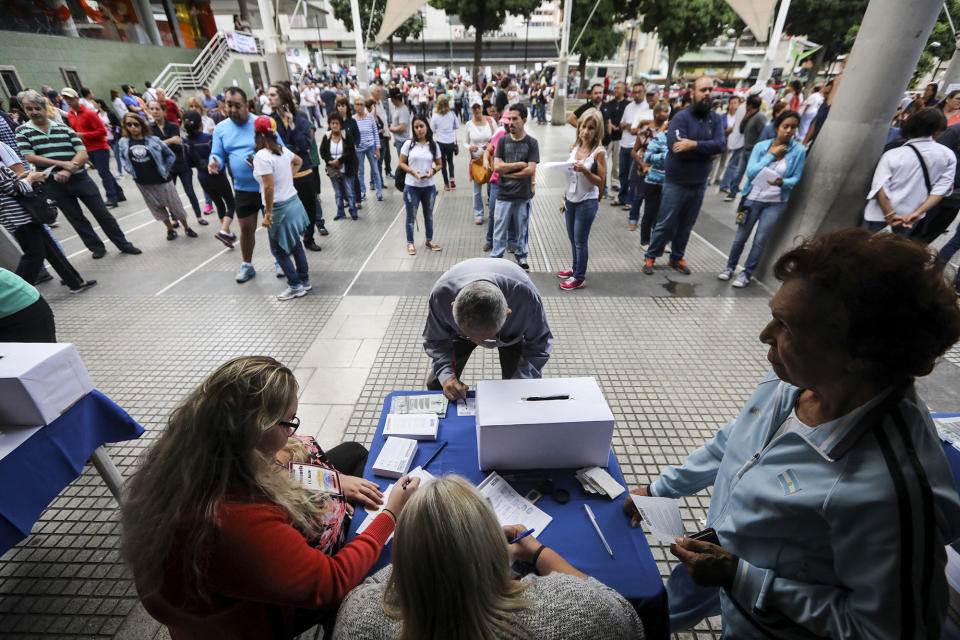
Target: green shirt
60,142
15,293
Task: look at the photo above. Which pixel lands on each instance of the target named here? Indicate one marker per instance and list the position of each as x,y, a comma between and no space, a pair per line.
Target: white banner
242,42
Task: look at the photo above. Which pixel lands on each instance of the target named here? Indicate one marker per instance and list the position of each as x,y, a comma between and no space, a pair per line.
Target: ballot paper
395,457
556,166
510,506
316,478
661,515
949,430
418,426
467,407
425,478
427,403
597,480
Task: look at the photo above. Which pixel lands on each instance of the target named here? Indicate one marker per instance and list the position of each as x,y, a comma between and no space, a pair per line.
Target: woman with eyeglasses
150,162
223,543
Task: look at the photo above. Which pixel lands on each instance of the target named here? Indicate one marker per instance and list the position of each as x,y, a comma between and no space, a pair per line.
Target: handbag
37,205
743,210
400,179
479,172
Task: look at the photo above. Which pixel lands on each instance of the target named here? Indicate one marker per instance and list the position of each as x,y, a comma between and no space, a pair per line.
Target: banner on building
242,42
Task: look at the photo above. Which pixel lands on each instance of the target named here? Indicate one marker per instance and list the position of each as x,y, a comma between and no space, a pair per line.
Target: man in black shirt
502,95
595,101
614,113
516,161
169,134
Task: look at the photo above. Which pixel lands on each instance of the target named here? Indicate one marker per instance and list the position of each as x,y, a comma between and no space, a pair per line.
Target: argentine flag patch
789,482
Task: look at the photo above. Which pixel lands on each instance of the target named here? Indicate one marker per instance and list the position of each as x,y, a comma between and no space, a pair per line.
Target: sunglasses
290,425
131,124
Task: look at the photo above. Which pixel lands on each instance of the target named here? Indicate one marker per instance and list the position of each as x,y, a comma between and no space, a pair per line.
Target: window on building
11,81
71,77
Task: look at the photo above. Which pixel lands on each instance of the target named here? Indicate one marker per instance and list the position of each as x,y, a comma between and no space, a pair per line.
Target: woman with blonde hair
194,104
221,544
588,164
444,124
451,579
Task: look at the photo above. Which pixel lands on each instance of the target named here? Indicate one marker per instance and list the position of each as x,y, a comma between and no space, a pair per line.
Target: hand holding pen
402,492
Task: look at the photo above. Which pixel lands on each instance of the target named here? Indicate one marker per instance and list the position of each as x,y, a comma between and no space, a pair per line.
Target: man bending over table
491,303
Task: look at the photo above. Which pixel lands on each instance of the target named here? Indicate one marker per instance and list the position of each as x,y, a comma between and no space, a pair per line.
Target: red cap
265,124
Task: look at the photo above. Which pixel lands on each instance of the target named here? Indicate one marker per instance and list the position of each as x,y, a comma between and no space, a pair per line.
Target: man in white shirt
808,111
721,162
911,179
635,114
768,95
734,148
310,96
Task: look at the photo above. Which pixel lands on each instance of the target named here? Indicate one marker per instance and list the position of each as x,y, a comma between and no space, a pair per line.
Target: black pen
435,454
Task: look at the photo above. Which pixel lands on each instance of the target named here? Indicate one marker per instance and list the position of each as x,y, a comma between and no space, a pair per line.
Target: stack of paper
425,478
427,403
949,430
661,515
395,457
597,480
510,506
418,426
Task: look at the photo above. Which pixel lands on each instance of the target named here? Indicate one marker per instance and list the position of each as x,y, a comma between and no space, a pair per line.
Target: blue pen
521,536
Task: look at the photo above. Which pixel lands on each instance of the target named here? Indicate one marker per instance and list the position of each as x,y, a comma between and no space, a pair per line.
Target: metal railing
178,76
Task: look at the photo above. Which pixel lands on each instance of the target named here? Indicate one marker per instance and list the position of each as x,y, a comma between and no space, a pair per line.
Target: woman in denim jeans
584,183
420,159
340,157
774,168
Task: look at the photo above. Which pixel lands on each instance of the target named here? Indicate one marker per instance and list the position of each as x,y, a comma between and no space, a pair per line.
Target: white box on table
39,381
514,432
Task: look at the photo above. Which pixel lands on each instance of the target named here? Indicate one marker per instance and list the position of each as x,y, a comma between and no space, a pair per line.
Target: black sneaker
202,222
43,277
523,264
86,285
110,204
99,253
175,224
313,246
322,230
191,233
132,250
171,234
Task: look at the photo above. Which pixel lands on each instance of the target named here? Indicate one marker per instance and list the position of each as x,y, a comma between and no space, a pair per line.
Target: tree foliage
830,23
600,39
411,27
941,36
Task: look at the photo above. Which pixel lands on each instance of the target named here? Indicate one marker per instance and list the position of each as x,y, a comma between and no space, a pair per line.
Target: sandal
412,250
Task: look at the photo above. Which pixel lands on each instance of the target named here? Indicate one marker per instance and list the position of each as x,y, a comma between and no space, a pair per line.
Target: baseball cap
192,116
265,124
652,88
221,97
52,94
67,92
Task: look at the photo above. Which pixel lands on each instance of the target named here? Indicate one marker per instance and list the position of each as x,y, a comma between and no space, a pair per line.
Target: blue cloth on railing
633,573
34,473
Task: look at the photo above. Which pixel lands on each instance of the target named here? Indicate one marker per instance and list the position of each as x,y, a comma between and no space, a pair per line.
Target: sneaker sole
227,243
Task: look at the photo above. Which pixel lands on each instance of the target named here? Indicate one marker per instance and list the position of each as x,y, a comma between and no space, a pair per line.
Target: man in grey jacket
491,303
751,127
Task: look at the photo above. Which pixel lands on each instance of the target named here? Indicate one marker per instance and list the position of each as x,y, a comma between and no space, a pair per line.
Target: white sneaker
742,280
292,292
726,274
306,286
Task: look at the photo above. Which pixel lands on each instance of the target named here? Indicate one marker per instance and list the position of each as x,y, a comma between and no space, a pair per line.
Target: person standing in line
171,111
480,130
199,144
45,143
750,127
119,106
368,147
382,111
515,161
730,117
635,115
734,145
284,216
695,136
340,157
151,163
169,134
644,136
207,126
585,179
445,124
615,109
400,120
91,130
209,103
310,97
654,157
808,111
774,169
420,159
494,186
352,131
112,124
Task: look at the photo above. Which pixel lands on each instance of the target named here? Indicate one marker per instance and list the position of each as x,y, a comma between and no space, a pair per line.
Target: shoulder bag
400,179
37,205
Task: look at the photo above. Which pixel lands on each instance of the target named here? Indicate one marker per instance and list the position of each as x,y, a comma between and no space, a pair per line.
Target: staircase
178,77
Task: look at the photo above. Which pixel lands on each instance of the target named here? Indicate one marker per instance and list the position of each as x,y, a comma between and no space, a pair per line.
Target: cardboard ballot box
39,381
547,423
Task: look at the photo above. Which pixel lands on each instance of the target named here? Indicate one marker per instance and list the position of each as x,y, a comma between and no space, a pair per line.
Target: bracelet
887,216
392,514
536,555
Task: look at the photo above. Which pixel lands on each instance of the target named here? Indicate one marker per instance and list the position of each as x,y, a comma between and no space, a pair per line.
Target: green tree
483,16
411,27
600,39
684,25
833,24
943,37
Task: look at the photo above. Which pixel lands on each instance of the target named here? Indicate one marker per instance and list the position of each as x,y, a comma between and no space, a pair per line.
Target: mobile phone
48,170
707,535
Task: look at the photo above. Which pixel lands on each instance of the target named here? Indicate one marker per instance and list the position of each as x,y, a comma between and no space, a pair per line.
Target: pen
597,527
541,398
521,536
435,454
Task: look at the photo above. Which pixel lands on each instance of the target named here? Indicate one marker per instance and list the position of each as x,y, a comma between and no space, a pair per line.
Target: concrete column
244,11
952,74
277,68
558,110
9,251
832,193
149,25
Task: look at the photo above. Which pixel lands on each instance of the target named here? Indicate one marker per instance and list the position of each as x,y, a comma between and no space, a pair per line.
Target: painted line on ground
725,255
85,250
373,251
192,271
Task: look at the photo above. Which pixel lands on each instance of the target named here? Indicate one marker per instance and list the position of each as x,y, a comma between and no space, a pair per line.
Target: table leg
108,471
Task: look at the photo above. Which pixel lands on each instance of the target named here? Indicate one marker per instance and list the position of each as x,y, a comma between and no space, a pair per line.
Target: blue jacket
161,154
759,158
692,168
835,533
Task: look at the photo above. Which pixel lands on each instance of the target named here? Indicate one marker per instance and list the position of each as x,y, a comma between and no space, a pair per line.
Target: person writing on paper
220,542
490,303
451,578
832,498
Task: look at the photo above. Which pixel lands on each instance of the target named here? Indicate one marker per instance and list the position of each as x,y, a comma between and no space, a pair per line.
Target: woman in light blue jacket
774,168
832,498
149,161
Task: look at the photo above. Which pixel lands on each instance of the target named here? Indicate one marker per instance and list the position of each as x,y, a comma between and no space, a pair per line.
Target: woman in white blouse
420,160
444,124
479,131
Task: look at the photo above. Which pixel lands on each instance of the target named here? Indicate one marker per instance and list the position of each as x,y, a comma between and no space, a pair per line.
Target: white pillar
362,79
558,112
277,68
769,57
145,13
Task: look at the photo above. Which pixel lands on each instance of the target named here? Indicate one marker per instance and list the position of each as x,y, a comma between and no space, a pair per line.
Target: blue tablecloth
633,573
52,458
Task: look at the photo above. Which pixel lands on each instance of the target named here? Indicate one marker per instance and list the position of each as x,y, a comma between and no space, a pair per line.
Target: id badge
316,478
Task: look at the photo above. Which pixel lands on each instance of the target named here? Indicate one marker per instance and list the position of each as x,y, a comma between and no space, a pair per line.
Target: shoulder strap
493,129
923,167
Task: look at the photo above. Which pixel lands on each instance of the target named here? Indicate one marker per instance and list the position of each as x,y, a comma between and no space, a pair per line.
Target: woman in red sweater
219,542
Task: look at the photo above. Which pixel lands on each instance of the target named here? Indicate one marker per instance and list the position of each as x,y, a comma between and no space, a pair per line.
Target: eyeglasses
290,426
131,124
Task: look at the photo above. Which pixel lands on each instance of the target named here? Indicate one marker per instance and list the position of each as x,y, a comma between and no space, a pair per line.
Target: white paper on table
605,481
556,166
395,457
662,515
427,403
510,506
419,426
467,407
425,478
949,429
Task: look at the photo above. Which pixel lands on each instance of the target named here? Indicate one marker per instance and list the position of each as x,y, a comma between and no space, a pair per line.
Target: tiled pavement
676,356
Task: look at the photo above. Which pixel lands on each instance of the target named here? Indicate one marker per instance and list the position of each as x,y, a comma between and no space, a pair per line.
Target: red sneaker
565,273
570,284
648,267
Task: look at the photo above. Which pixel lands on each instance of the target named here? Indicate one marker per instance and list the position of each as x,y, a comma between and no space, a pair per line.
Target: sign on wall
241,42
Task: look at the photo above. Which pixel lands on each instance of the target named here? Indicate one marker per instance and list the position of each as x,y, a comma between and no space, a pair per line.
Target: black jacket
349,158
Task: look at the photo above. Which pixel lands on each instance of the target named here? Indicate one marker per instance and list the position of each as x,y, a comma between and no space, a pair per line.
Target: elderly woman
222,542
451,579
832,498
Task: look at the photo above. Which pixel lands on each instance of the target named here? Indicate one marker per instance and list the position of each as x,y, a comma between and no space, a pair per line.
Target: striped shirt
8,137
60,142
12,215
369,135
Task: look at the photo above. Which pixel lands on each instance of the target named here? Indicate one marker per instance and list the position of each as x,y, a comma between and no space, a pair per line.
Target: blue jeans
679,208
101,162
764,216
580,216
507,213
491,223
343,192
414,196
638,191
298,275
369,154
478,200
729,181
626,174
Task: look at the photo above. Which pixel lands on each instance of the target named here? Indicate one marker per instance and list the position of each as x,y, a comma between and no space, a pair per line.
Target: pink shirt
495,178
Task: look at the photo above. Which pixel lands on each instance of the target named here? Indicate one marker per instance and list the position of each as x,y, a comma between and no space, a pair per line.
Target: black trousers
349,458
37,244
218,188
31,324
186,179
385,156
306,187
462,348
68,196
935,222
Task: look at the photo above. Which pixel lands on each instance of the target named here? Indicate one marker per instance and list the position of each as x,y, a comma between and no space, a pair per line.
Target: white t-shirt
420,160
792,423
634,113
735,138
310,96
762,190
444,127
479,135
336,152
265,162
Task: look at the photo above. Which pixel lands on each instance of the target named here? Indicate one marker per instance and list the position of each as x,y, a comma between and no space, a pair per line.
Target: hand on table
454,389
710,565
525,548
403,490
360,490
631,509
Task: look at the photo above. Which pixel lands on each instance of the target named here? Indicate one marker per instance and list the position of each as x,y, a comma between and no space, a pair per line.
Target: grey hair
480,306
32,96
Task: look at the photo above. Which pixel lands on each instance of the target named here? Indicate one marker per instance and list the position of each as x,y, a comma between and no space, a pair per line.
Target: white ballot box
39,381
542,424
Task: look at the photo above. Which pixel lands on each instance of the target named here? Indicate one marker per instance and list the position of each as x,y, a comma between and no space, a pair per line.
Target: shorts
248,203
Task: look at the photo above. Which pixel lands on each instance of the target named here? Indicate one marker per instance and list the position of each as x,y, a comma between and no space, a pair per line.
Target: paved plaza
676,356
